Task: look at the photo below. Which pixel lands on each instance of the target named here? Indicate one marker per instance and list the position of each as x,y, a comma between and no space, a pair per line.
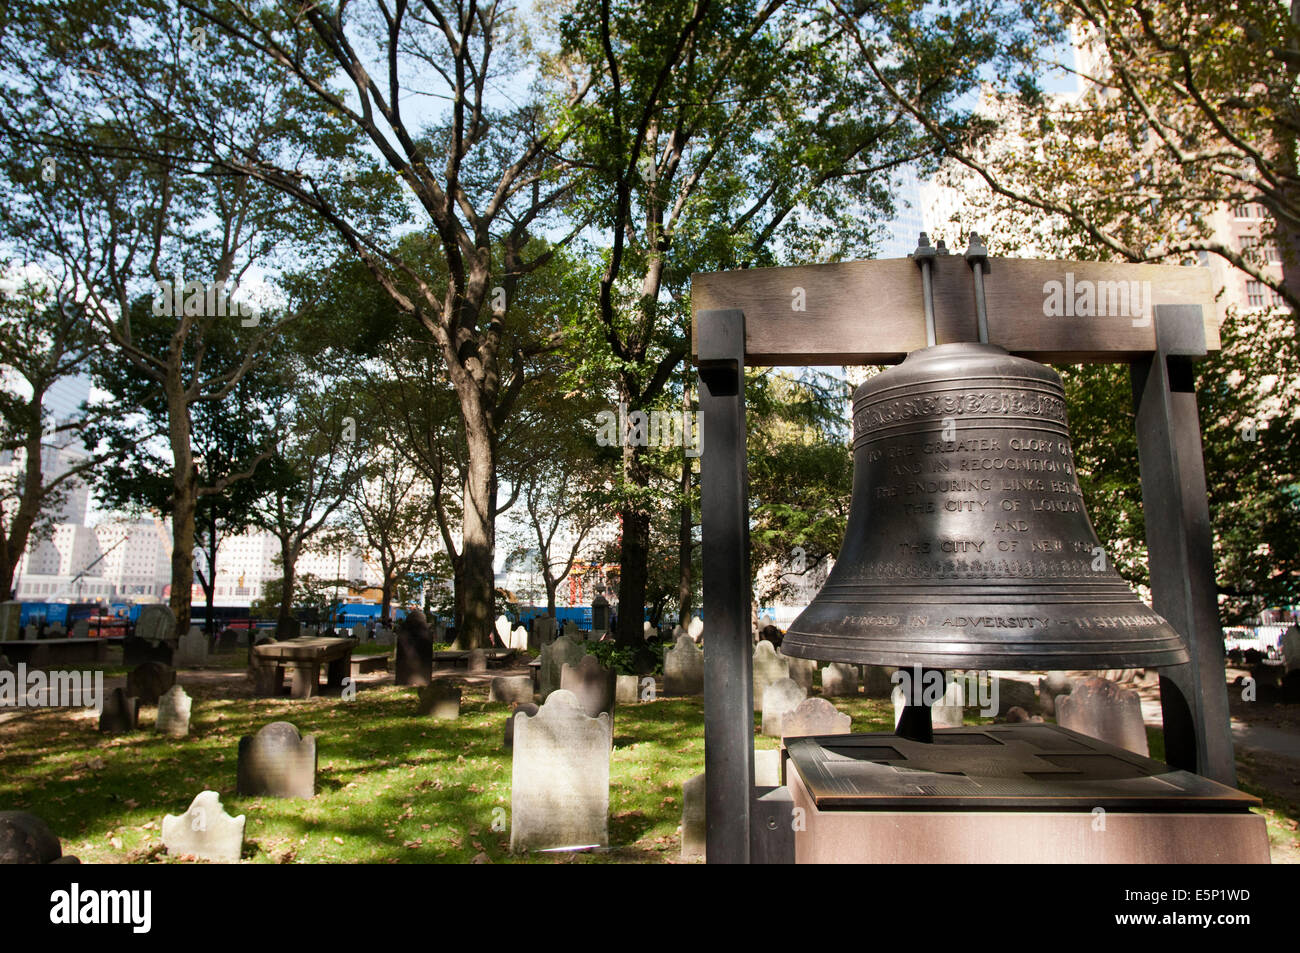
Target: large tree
727,135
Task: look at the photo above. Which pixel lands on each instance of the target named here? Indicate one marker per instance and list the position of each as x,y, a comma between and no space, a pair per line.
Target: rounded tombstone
26,839
416,625
149,680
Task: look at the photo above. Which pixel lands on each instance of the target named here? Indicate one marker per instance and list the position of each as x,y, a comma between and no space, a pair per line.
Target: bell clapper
916,722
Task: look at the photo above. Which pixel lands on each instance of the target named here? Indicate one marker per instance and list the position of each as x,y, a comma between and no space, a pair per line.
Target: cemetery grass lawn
391,788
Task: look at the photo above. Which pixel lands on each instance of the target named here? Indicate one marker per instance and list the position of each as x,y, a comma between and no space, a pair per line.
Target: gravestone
814,716
138,651
192,649
559,789
511,689
626,690
767,768
695,628
503,631
1289,648
803,671
780,697
227,642
555,656
359,632
5,664
157,623
147,682
174,713
694,828
290,628
544,630
571,630
948,712
120,714
81,629
1101,709
11,614
839,678
440,699
277,762
518,639
1049,686
648,632
877,681
684,668
591,683
26,839
385,636
477,660
527,708
205,831
414,651
768,668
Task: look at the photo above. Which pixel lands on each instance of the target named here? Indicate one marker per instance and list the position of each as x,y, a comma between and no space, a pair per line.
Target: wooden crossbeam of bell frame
1156,318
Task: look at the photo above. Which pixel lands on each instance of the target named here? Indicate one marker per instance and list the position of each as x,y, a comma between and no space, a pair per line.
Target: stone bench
301,660
363,664
42,652
457,658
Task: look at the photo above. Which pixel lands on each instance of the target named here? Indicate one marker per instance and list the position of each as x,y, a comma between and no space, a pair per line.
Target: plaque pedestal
1009,794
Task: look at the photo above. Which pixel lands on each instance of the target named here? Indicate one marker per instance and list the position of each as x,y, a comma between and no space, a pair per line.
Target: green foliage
621,658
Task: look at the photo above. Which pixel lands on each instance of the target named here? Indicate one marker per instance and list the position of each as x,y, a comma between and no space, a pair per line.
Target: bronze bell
968,545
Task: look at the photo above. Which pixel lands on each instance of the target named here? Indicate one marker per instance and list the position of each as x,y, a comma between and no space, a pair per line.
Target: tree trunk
19,531
386,600
551,586
478,533
288,578
634,557
685,585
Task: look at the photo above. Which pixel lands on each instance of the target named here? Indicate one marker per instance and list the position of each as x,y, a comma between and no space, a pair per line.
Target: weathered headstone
767,768
555,656
768,668
157,623
121,713
684,668
81,629
277,762
839,678
227,642
414,651
627,690
1289,648
544,629
518,639
360,632
780,697
877,681
695,628
503,630
526,709
591,683
147,682
192,649
694,826
477,661
205,831
174,713
26,839
1101,709
385,636
11,614
559,788
440,699
949,711
814,716
803,671
511,689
